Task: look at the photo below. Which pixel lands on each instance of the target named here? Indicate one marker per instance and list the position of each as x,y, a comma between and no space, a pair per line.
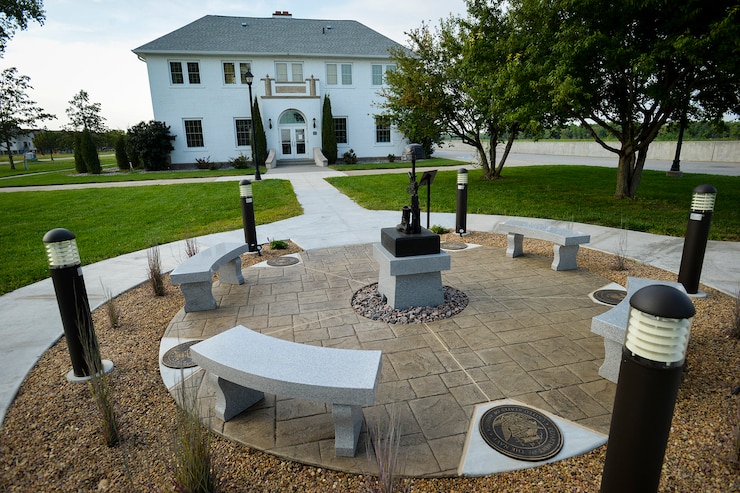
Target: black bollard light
650,372
74,307
462,202
250,228
697,234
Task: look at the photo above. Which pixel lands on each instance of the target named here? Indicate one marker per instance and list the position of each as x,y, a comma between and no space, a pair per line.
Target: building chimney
283,13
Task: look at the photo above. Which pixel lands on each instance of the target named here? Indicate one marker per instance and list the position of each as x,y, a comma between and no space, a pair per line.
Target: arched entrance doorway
292,129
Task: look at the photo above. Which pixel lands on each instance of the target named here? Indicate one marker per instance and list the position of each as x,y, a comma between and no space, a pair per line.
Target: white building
198,86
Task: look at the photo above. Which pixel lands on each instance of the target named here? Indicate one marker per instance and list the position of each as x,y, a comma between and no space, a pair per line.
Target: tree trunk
490,170
513,132
629,172
10,156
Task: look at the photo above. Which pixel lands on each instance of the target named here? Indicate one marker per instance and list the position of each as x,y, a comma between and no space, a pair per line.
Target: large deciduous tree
18,112
84,114
629,67
15,14
456,80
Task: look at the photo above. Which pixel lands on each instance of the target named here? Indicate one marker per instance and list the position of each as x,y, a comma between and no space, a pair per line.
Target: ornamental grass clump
386,444
154,268
100,388
194,470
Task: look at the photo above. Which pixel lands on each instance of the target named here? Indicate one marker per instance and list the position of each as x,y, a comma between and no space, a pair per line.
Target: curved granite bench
247,364
612,326
195,274
566,241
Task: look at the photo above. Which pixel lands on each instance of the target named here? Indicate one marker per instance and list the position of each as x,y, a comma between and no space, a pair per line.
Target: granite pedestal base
411,281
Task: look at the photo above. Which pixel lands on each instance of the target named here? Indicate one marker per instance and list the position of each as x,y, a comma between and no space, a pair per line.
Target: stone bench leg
612,359
198,296
232,399
231,272
565,257
347,426
514,245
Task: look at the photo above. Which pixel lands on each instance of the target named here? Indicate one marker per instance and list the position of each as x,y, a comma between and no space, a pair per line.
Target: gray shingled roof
222,35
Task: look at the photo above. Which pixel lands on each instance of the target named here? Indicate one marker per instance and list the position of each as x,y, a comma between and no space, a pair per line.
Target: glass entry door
293,143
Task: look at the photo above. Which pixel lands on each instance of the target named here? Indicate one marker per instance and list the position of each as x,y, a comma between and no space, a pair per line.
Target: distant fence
722,151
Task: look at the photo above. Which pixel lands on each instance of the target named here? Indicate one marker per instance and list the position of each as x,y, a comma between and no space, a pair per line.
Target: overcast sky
86,44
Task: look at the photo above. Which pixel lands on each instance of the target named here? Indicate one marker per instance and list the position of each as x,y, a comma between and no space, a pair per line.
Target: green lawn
112,221
62,171
571,193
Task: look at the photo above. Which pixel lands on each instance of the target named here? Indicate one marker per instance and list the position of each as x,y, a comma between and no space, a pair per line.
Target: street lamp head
249,77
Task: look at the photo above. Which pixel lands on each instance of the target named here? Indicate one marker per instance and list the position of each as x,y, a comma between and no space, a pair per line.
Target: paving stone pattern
524,335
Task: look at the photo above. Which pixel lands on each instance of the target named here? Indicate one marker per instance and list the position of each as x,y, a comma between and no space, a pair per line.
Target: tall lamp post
249,78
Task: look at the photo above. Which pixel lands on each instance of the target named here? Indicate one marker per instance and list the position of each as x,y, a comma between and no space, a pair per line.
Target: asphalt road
711,168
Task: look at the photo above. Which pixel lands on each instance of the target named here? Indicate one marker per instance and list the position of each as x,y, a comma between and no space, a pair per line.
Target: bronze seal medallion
521,433
179,356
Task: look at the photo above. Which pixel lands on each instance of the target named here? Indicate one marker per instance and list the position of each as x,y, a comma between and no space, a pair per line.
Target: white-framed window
243,131
378,74
382,129
339,73
177,72
289,71
194,133
340,129
236,72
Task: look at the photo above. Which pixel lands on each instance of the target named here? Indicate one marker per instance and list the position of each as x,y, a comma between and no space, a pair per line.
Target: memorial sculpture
410,258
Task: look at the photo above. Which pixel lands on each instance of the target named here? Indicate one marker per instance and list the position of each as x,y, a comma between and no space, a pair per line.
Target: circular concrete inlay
179,356
521,432
610,296
283,261
453,245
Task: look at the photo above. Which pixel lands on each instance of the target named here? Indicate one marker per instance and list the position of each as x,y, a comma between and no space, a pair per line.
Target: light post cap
664,301
705,188
58,235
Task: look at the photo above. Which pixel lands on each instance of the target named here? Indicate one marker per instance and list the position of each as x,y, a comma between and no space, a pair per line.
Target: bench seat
612,326
566,241
247,364
195,274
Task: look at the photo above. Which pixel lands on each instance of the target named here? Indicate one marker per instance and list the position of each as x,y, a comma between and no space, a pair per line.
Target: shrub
203,162
278,245
152,142
440,230
240,162
350,157
391,158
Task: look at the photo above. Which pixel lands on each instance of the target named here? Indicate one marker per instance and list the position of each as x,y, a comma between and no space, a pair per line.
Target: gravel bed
369,303
50,440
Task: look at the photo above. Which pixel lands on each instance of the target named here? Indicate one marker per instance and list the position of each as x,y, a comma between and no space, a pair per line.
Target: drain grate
283,261
610,296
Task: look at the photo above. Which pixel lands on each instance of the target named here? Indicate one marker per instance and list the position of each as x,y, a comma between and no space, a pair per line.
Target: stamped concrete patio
525,335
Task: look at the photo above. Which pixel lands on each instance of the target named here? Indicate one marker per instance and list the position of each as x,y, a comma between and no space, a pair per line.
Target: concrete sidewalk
30,317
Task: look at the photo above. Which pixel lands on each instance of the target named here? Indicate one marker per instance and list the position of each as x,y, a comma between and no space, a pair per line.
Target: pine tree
328,135
260,139
121,154
79,160
90,153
